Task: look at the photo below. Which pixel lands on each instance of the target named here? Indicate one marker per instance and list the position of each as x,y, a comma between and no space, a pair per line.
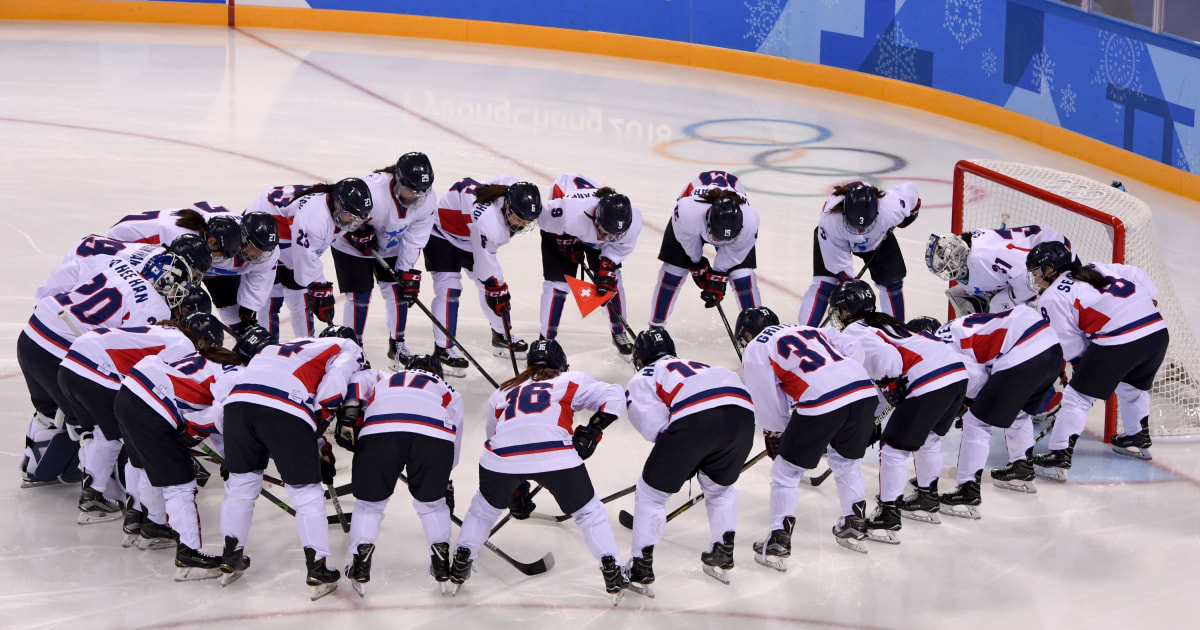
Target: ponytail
841,191
715,194
1086,274
190,220
531,373
890,326
223,356
490,193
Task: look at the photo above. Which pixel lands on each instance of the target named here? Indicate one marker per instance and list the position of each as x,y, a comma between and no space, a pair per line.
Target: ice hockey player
987,266
701,421
402,216
1107,320
858,220
529,440
407,421
1013,360
474,220
712,209
809,398
586,223
926,395
283,402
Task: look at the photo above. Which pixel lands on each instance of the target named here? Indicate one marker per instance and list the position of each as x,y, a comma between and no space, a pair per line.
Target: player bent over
1108,323
927,393
701,421
412,421
809,398
527,441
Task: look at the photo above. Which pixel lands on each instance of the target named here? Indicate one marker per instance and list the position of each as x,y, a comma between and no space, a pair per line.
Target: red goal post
1104,224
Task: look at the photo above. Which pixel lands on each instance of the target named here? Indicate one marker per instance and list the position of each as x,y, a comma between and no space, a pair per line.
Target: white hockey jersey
529,427
1123,311
306,229
691,230
671,389
66,275
409,401
478,228
838,243
796,368
105,291
926,362
400,231
184,390
570,210
104,355
300,377
997,260
991,342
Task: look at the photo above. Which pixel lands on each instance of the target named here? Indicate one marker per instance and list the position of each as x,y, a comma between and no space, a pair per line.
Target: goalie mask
169,274
946,256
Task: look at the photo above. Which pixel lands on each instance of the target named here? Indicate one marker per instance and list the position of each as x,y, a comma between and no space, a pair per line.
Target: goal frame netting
1125,220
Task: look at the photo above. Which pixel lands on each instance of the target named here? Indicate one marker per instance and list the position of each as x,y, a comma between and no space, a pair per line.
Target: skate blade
87,518
454,589
716,573
885,536
29,483
851,544
963,511
1016,485
1053,474
922,517
148,544
616,597
359,587
192,574
775,562
321,590
1133,451
641,589
442,586
453,371
230,578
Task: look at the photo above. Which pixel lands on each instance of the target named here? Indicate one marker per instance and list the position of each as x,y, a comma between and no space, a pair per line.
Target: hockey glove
966,406
894,390
450,495
606,277
586,437
319,301
364,240
700,272
252,339
912,216
522,504
570,248
188,436
408,285
328,463
773,440
246,319
349,420
497,297
713,290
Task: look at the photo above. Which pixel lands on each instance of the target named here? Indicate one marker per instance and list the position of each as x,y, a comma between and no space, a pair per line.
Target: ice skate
851,530
623,344
719,560
615,581
774,551
1055,464
155,536
233,562
1136,444
460,569
359,569
132,526
398,354
965,500
321,578
439,564
641,572
884,525
191,564
923,504
500,346
453,363
94,507
30,482
1016,476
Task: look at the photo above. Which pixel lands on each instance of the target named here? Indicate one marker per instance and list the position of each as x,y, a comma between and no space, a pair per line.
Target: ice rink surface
100,121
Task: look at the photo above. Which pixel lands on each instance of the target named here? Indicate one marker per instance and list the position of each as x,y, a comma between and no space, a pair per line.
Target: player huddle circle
125,358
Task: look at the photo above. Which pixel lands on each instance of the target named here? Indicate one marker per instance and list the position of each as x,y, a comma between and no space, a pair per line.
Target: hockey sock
182,515
619,308
649,515
554,299
276,305
665,293
355,314
1019,437
973,447
928,460
721,504
364,527
785,490
435,519
396,310
1072,418
133,479
1133,404
893,465
100,458
816,300
153,500
597,530
309,502
745,285
848,475
447,287
237,510
478,524
893,304
494,320
302,325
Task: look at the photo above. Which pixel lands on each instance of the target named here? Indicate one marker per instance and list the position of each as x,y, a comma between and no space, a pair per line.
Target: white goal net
1105,224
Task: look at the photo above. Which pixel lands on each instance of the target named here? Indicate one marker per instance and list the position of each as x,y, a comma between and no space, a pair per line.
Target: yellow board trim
946,104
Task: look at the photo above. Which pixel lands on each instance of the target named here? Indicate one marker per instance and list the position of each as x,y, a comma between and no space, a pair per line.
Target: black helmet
340,332
260,231
205,327
425,363
851,299
252,340
547,353
613,217
651,345
196,299
1046,260
414,172
523,201
752,321
352,198
224,230
924,324
195,252
860,207
723,220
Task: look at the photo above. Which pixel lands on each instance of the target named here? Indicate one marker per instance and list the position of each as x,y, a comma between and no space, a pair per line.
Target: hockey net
1104,224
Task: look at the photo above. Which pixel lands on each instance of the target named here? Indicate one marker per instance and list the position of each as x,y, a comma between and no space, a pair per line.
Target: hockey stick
608,499
626,518
866,265
820,479
211,454
508,339
729,331
337,506
611,307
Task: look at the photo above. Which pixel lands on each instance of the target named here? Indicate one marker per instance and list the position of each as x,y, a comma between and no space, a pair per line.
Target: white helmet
946,256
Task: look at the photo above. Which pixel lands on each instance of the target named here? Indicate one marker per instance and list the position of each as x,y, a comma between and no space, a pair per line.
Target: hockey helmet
613,217
224,237
523,203
723,221
547,353
350,203
169,274
850,300
752,321
1045,262
194,252
946,256
340,332
924,324
413,178
651,345
860,207
252,341
425,363
205,328
195,300
260,236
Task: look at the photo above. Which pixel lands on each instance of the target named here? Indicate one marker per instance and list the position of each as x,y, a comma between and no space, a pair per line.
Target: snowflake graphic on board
762,18
989,63
897,55
1043,72
964,20
1119,60
1067,100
